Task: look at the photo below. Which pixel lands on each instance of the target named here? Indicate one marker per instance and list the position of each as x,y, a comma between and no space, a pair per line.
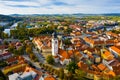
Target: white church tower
54,44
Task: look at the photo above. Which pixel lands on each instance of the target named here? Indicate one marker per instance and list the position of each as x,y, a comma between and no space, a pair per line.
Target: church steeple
54,44
54,35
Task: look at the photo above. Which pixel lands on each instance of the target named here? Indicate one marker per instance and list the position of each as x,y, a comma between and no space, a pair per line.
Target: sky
59,6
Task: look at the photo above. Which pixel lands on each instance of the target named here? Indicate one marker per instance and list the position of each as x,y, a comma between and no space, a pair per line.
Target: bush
61,73
36,59
50,59
65,77
46,67
3,64
51,70
40,64
71,67
2,76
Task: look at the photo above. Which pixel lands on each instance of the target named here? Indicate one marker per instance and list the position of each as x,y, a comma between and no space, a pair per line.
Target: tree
67,42
1,28
28,50
32,56
80,74
71,67
68,31
50,59
1,31
61,73
105,29
11,48
5,35
70,76
115,78
3,64
2,76
20,50
5,43
65,77
15,52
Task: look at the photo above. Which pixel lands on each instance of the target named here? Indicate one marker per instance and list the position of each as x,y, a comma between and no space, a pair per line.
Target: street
38,55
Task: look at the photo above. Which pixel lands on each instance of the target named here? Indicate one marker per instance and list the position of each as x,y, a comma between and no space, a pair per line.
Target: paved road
39,56
30,61
37,66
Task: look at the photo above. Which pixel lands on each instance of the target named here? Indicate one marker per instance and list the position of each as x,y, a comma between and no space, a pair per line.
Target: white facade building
54,45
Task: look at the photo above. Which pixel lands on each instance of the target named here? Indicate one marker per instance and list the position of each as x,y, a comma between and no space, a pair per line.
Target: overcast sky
58,6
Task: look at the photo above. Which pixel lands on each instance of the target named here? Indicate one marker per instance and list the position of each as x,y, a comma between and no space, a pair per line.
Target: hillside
5,18
77,14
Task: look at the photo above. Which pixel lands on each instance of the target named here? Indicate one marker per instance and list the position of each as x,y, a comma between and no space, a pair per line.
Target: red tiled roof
111,34
3,46
101,67
115,49
82,65
111,73
5,54
65,54
108,56
49,77
14,59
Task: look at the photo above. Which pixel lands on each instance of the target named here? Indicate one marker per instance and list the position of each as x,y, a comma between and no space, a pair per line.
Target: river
11,27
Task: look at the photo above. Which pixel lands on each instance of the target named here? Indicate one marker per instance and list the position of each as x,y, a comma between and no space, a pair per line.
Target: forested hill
5,18
77,14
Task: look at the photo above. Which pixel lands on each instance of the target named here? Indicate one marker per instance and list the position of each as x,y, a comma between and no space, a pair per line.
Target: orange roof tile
55,56
111,34
101,67
46,47
115,49
12,59
111,41
27,69
82,65
107,55
65,54
49,78
43,39
77,53
94,67
111,73
62,59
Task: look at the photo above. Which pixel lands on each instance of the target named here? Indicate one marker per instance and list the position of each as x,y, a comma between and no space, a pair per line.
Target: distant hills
17,17
77,14
107,14
8,18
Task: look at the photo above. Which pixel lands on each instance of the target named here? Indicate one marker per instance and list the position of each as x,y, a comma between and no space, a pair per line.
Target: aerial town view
59,39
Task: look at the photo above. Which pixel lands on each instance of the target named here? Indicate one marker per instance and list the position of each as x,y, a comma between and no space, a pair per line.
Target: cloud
17,0
22,6
58,3
58,6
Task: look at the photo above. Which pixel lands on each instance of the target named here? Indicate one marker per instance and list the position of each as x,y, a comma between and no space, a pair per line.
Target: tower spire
54,35
54,44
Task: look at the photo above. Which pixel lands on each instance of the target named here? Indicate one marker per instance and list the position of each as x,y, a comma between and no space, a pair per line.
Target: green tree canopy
80,74
50,59
67,42
21,50
61,73
28,50
71,67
